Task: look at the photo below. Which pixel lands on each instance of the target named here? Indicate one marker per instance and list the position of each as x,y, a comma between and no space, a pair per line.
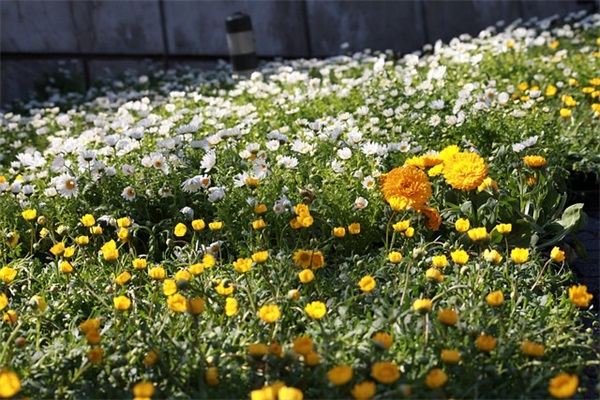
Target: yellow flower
367,283
565,112
303,258
215,226
462,225
69,252
269,313
434,274
93,337
182,275
121,303
339,232
139,263
495,299
450,356
532,349
242,265
211,376
401,226
492,256
231,306
409,232
7,274
209,261
316,309
395,257
448,317
258,349
177,303
260,256
519,255
123,234
10,383
465,171
89,325
579,296
180,230
124,222
12,239
224,288
477,234
557,254
39,303
143,390
340,375
383,339
551,91
88,220
96,230
289,393
488,183
169,287
439,261
385,372
364,390
433,219
486,343
57,249
317,260
29,215
151,358
198,224
354,229
123,278
563,386
95,355
260,209
306,275
10,317
3,301
436,378
258,224
422,305
407,186
66,267
195,306
109,251
303,345
504,228
157,273
311,359
275,349
196,269
460,257
534,162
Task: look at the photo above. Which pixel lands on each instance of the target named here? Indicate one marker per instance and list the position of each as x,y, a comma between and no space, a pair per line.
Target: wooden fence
92,37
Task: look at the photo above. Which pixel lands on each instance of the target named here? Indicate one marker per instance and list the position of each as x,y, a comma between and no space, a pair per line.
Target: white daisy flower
128,193
368,182
288,162
215,194
208,161
66,185
361,203
344,153
192,185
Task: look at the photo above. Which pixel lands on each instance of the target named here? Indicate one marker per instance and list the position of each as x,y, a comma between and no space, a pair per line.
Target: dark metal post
240,40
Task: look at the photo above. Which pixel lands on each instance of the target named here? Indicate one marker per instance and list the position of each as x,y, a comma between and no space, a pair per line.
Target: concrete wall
92,37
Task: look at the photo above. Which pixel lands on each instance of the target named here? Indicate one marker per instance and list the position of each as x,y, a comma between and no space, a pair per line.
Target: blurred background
93,38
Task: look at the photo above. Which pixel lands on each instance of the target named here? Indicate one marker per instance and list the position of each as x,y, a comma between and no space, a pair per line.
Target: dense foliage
356,226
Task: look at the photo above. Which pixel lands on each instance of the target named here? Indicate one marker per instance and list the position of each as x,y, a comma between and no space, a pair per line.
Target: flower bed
357,226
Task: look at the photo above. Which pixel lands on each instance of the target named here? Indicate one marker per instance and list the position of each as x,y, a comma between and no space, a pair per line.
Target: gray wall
92,37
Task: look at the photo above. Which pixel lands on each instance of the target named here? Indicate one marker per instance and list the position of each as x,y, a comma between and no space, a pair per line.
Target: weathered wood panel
378,25
19,78
81,27
448,19
198,27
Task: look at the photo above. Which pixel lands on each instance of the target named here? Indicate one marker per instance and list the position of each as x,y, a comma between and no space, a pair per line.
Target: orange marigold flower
465,170
563,386
434,220
535,161
408,184
579,296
